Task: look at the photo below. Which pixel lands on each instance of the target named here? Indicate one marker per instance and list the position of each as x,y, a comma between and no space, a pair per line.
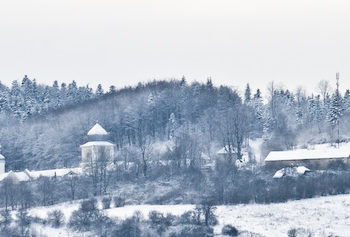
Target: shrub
229,230
294,232
188,217
106,202
159,222
89,205
87,214
23,221
208,208
119,202
6,219
193,231
55,218
129,228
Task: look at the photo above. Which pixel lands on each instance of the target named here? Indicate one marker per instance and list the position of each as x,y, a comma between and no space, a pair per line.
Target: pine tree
72,95
247,95
112,89
319,112
16,102
55,96
99,90
258,106
335,110
4,92
346,102
172,126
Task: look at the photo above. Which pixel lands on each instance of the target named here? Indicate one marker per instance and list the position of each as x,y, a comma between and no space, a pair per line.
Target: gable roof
55,172
97,130
305,154
27,175
16,176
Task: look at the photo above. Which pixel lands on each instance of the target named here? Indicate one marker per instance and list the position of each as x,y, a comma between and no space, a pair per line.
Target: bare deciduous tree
97,169
324,88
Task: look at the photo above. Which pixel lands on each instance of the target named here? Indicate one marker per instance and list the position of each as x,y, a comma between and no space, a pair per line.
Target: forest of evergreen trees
43,126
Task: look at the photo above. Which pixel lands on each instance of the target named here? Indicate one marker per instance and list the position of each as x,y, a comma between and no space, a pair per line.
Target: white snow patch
255,146
279,174
291,171
163,146
265,219
302,169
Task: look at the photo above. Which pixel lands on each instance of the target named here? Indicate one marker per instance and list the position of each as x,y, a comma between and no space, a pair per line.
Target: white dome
97,130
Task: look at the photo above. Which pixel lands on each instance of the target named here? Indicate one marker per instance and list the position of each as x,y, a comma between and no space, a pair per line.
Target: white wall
2,166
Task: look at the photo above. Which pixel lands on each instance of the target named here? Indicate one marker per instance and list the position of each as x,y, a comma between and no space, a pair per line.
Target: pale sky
294,43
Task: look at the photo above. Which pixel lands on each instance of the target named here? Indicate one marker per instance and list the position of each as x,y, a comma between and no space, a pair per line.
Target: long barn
321,158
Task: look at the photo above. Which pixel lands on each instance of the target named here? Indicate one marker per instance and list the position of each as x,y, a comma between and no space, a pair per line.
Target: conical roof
97,130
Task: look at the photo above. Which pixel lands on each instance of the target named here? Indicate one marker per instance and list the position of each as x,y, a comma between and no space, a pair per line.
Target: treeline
53,121
27,98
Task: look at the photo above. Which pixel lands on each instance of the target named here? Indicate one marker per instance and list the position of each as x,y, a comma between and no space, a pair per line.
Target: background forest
166,133
43,126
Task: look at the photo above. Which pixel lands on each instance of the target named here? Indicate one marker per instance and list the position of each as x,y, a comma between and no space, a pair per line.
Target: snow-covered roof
225,150
97,143
97,130
305,154
15,176
54,172
29,175
2,157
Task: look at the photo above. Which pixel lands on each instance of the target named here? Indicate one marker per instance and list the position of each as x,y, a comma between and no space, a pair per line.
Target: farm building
97,146
28,175
225,154
320,158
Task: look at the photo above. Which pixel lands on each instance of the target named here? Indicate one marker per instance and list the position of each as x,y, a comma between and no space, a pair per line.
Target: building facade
98,148
316,159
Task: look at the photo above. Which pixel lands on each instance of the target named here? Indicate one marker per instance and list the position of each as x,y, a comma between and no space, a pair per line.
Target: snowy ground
324,216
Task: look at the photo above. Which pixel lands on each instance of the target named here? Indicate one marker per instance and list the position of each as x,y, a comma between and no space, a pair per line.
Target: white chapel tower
98,146
2,164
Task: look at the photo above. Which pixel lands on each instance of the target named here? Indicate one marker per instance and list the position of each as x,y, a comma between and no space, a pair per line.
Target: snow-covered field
323,216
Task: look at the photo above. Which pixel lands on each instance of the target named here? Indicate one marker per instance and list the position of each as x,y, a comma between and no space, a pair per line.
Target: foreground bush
229,230
119,202
87,214
55,218
299,232
129,228
159,222
193,231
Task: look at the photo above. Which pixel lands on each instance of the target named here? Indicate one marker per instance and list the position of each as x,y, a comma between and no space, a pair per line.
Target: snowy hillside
324,216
